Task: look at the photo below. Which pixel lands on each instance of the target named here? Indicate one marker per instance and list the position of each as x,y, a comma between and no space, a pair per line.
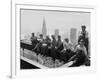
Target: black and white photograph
50,39
54,39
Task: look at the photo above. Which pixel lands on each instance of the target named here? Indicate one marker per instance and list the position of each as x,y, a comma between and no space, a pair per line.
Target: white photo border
17,73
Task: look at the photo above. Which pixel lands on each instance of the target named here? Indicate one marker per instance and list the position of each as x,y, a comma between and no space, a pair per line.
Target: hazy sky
32,21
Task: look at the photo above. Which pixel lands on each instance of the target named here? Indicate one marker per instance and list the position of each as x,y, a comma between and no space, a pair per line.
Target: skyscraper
44,29
73,35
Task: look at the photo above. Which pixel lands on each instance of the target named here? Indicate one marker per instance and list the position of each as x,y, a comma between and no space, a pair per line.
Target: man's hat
83,26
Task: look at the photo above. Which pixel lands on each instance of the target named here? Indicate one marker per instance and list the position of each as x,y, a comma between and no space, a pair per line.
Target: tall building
73,35
44,29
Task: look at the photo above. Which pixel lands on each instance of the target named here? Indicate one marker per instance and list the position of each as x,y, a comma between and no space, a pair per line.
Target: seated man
47,42
40,39
53,47
66,44
81,57
59,43
33,40
41,47
37,47
59,46
66,53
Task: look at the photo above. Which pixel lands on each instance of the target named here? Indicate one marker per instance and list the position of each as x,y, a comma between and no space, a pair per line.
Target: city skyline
33,21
